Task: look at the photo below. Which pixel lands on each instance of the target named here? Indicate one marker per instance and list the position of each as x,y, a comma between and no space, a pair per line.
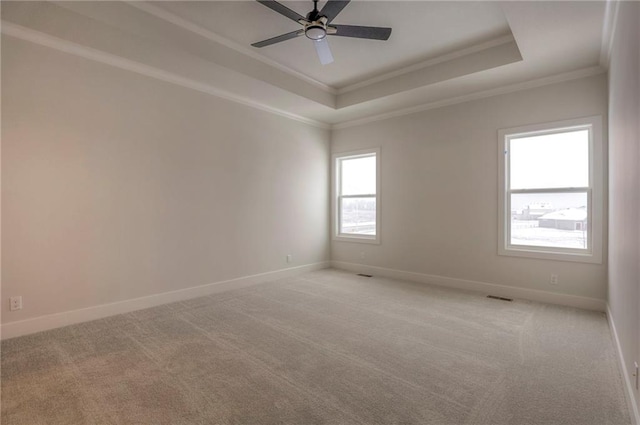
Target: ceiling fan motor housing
314,15
317,28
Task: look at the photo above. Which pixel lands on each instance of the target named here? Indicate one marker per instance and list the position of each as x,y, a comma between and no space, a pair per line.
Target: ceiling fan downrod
314,14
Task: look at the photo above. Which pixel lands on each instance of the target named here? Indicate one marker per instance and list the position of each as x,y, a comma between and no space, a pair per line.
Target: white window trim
335,190
594,193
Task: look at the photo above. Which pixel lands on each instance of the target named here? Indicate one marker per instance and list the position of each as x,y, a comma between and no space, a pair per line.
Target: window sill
357,239
528,252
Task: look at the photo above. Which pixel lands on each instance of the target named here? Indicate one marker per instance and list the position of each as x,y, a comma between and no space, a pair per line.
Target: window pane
358,216
550,160
558,220
359,176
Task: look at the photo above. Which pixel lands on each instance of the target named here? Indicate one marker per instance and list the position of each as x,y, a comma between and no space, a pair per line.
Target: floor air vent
493,297
364,275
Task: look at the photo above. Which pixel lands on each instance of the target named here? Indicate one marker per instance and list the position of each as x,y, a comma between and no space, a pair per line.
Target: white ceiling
439,52
421,31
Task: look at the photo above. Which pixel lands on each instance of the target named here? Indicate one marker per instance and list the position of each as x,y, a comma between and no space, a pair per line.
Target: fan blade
323,50
332,8
373,33
278,39
281,9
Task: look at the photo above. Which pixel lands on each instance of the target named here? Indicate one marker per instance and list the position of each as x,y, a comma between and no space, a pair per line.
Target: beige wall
116,186
624,184
439,185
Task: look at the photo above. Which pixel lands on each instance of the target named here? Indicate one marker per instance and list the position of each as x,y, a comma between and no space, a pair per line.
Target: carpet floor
326,347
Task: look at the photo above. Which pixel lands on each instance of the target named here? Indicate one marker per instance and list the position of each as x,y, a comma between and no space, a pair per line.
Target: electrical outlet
289,258
553,279
15,303
362,255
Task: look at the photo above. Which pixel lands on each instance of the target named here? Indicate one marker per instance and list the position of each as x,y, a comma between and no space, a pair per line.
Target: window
356,188
551,191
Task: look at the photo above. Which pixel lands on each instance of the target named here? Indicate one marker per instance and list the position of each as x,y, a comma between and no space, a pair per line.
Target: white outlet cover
15,303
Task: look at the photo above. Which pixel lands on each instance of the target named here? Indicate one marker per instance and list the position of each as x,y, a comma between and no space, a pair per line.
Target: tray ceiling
421,31
439,52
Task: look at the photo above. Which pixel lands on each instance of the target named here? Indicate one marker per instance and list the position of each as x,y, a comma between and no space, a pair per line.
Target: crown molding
608,31
188,25
37,37
209,35
558,78
460,66
430,62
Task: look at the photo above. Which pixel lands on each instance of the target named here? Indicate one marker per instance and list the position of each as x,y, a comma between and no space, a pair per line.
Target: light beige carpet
326,347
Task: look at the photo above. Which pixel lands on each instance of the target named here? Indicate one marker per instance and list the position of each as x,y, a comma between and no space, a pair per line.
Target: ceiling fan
316,27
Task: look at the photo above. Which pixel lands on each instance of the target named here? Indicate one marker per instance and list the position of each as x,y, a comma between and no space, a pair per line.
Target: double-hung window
551,191
356,179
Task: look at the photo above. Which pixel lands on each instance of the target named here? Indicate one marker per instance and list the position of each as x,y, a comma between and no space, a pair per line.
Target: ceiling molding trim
526,85
69,47
483,60
608,31
196,29
430,62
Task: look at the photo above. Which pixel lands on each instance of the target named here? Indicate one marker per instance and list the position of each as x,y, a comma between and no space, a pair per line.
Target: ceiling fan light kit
316,27
315,32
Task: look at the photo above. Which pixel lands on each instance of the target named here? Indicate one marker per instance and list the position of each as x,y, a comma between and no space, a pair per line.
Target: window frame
594,192
337,197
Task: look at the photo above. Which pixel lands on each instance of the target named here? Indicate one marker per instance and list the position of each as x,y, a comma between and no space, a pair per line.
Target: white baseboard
57,320
484,287
626,377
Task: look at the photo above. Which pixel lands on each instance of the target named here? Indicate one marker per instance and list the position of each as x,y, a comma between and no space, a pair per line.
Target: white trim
628,386
595,192
477,286
430,62
57,320
199,30
608,31
170,17
46,40
526,85
335,192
